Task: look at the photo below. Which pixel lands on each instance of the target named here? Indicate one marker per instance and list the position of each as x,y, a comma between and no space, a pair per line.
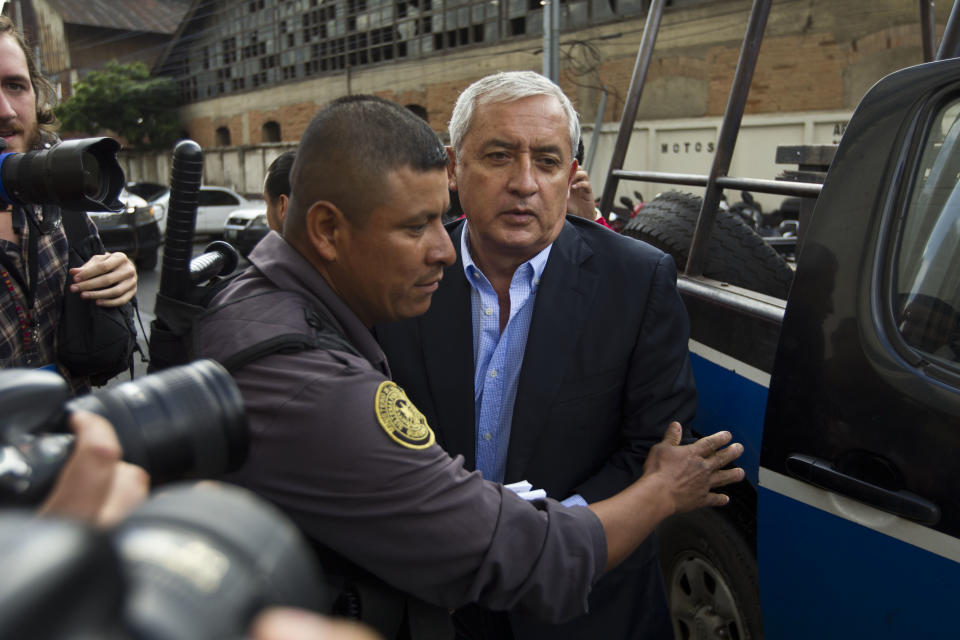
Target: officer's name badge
400,418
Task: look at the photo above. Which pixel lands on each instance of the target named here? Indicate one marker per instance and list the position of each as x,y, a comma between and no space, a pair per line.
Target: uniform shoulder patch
402,421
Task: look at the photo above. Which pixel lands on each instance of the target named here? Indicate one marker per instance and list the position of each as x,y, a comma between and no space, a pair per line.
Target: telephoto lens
202,560
78,174
183,422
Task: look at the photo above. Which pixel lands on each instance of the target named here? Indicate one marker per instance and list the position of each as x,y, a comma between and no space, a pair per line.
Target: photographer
33,246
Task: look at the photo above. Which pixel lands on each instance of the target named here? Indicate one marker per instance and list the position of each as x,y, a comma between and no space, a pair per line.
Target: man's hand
95,485
109,279
675,478
691,471
580,202
281,623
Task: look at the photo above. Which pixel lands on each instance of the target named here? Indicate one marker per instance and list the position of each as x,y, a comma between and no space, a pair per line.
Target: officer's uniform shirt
340,448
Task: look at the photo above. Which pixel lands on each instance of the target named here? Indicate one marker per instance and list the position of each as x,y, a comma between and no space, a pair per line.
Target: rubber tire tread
712,536
736,253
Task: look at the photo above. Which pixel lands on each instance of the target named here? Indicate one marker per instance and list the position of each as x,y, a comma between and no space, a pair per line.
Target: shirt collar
537,263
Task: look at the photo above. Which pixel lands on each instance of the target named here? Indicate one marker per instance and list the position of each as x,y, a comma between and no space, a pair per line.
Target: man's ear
452,169
573,172
282,203
323,224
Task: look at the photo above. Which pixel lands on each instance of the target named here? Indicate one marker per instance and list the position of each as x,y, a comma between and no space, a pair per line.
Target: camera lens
92,187
183,422
76,174
203,559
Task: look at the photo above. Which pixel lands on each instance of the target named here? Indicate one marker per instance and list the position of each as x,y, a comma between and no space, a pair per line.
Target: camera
79,174
194,562
184,422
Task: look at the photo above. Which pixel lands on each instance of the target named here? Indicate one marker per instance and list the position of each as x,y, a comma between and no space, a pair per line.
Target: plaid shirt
48,292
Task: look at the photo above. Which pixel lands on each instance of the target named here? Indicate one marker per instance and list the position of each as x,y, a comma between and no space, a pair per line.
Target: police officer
338,445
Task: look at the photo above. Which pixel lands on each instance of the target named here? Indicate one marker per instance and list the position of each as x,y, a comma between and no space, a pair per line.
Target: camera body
184,422
194,562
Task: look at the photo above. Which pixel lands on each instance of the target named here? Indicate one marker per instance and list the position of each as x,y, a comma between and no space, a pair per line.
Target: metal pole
950,44
928,29
555,50
728,135
595,138
551,22
640,68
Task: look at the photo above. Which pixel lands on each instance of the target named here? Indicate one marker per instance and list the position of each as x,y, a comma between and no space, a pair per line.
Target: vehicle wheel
737,254
147,262
711,578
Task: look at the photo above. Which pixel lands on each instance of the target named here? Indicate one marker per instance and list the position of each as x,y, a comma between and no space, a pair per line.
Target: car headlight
145,215
260,222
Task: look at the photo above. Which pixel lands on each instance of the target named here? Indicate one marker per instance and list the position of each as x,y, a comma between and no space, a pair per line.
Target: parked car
216,204
155,194
135,230
245,228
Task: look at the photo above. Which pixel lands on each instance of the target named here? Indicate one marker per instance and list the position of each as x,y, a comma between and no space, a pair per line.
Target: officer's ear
282,203
323,222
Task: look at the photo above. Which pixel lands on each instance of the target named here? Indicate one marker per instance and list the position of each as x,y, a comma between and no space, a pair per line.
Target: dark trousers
629,603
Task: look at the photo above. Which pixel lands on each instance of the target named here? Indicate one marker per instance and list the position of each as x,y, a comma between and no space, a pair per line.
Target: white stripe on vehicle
894,526
736,366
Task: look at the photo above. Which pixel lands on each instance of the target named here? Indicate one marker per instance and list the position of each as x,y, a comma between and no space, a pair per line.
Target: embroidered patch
400,419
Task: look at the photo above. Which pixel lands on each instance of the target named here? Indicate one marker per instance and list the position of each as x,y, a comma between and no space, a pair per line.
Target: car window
216,198
927,275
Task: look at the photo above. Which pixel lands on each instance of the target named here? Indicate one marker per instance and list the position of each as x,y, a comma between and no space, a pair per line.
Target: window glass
214,198
927,277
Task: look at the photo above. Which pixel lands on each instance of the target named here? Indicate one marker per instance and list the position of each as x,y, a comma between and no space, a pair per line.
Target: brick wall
817,55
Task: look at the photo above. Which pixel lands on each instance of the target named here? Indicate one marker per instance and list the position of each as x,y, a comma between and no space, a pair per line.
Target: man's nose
6,109
522,180
441,248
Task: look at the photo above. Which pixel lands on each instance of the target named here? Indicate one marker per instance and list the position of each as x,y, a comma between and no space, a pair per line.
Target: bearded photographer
33,245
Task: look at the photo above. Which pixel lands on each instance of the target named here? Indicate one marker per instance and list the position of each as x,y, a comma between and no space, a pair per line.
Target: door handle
901,503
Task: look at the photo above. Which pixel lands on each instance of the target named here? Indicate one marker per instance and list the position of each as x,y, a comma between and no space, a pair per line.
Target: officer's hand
110,279
296,624
690,472
95,485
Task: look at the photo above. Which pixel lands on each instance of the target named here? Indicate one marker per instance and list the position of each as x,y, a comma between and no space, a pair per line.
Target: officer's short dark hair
278,175
348,148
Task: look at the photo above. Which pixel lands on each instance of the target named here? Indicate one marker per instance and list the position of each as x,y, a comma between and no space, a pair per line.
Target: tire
147,262
736,253
711,578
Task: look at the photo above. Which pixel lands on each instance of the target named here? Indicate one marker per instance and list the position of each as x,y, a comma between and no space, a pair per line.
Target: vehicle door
859,499
214,207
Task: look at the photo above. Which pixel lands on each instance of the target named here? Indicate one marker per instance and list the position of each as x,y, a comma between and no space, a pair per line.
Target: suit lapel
447,337
563,299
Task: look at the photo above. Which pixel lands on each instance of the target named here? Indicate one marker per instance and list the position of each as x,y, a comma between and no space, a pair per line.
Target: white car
245,228
215,206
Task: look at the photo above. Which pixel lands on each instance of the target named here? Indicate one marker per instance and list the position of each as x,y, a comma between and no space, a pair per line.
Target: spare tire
736,253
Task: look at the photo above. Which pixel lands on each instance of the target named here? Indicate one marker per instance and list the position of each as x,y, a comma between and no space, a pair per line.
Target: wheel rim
701,601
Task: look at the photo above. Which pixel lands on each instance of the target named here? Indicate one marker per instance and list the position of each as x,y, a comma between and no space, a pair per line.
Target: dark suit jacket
605,370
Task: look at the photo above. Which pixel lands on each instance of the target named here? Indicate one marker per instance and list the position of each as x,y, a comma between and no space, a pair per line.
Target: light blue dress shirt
497,357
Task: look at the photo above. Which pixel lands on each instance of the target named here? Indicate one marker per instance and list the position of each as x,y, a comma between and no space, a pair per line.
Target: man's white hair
508,86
